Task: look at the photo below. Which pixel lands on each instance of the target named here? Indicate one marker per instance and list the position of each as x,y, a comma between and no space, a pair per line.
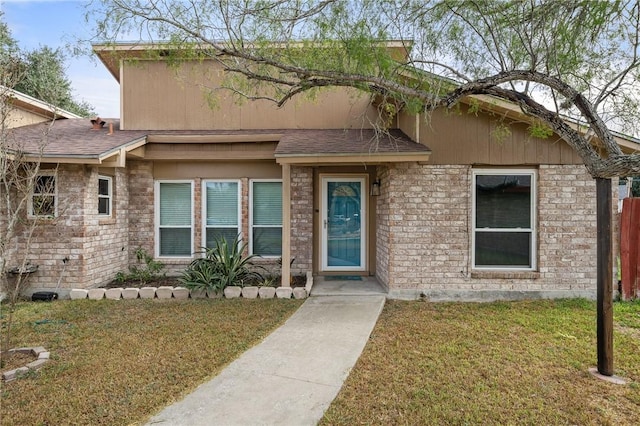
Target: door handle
325,224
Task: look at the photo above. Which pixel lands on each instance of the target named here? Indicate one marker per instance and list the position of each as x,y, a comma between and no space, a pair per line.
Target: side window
43,201
105,191
504,234
266,218
174,218
221,211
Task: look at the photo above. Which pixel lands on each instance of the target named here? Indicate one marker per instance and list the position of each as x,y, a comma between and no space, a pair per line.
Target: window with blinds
174,218
266,218
221,211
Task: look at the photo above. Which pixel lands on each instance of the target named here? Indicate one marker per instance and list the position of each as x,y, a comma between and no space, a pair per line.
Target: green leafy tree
44,78
8,53
19,171
574,57
553,59
18,178
39,73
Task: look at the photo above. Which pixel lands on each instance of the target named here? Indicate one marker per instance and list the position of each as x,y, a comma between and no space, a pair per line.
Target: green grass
119,362
497,363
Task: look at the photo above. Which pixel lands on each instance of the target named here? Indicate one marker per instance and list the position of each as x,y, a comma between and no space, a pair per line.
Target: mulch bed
297,281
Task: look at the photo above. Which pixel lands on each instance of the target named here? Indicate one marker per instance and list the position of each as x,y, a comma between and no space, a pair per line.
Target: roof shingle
77,138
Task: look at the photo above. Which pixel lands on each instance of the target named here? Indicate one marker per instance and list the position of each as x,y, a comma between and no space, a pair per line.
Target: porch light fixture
375,188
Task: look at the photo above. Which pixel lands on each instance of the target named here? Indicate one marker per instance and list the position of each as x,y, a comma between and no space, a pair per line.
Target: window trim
156,187
250,224
109,196
30,213
204,208
533,214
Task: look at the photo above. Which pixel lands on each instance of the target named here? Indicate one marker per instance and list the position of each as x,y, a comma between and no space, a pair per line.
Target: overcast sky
56,23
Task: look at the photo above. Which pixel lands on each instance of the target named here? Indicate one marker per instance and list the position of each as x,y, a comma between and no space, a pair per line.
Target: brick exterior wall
383,223
301,219
141,205
424,236
567,228
58,238
78,248
106,240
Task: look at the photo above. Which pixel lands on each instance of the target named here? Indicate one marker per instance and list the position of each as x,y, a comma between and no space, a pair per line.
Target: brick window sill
107,221
518,275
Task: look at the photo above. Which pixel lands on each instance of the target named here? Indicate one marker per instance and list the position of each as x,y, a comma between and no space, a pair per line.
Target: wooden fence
630,248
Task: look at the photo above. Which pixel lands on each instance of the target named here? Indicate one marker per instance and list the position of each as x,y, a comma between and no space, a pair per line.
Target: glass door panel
343,224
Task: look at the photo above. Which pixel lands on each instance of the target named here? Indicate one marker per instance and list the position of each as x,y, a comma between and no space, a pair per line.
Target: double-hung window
221,210
504,234
174,218
44,201
266,218
104,195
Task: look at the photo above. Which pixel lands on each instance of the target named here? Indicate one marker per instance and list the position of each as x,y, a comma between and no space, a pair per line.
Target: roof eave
37,106
115,157
347,158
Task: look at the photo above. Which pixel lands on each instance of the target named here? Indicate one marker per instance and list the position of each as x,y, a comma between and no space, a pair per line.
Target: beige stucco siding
18,117
457,137
216,170
158,97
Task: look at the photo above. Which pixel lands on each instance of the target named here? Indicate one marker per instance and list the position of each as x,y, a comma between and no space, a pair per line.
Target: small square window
43,201
104,195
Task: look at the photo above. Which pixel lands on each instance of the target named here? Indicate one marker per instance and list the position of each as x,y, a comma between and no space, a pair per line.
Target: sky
56,23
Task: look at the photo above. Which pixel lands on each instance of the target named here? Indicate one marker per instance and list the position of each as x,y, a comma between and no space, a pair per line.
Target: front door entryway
343,227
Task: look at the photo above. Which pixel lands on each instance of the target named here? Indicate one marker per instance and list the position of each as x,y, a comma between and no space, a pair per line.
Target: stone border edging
168,292
182,293
40,352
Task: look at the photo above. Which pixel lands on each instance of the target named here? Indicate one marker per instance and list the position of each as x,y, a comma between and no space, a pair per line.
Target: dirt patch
629,331
164,281
13,360
296,281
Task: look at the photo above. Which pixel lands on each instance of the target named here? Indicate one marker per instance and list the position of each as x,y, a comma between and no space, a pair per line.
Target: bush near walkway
491,364
119,362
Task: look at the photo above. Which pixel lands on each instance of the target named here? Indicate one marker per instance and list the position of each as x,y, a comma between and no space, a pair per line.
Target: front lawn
119,362
498,363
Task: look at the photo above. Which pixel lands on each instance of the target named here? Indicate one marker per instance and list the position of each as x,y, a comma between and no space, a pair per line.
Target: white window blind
266,232
221,211
175,218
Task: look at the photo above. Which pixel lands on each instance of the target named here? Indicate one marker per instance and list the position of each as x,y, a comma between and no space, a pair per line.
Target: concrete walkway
292,376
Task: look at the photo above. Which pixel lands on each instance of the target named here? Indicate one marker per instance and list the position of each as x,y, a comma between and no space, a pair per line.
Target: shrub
269,281
221,266
149,269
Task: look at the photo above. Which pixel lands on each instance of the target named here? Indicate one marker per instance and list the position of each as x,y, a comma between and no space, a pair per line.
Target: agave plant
221,266
203,274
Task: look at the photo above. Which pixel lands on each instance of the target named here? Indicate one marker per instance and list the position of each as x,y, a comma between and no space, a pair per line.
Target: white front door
343,223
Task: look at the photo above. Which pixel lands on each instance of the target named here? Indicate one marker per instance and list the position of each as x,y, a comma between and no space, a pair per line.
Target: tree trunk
605,277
